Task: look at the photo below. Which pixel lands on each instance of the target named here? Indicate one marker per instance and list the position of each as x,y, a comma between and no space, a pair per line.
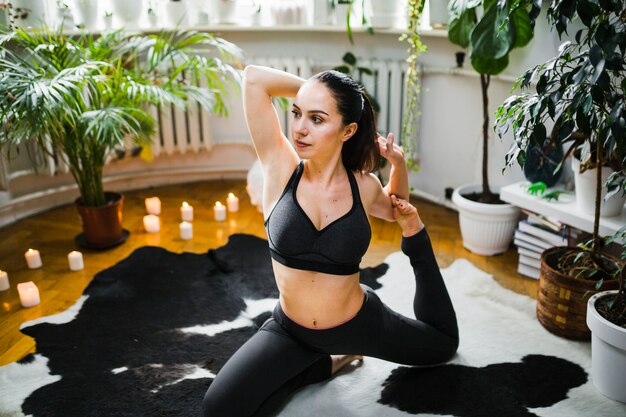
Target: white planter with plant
474,24
585,184
387,13
608,350
487,229
176,13
225,11
29,13
128,12
85,13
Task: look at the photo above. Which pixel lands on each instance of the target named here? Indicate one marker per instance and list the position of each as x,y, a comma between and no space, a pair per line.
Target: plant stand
608,352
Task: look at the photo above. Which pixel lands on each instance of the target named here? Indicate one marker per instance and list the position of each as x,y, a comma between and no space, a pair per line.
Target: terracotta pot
562,300
102,226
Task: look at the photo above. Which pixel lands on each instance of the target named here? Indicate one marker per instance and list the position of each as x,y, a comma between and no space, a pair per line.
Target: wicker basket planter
562,300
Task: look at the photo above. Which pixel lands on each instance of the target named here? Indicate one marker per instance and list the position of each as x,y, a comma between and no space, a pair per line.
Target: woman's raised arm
260,84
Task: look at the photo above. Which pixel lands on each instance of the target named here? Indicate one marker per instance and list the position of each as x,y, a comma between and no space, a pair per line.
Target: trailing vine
413,88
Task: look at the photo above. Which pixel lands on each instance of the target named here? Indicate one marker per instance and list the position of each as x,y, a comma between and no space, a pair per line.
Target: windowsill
224,28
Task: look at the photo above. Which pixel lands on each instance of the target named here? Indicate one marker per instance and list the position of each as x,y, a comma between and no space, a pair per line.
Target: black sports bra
295,241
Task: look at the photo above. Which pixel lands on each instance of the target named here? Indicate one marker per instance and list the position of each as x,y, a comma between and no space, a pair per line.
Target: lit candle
151,223
153,205
219,211
186,230
29,294
75,259
4,281
33,259
232,202
186,212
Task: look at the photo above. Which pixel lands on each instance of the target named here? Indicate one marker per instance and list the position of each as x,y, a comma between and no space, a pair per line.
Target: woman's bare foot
407,216
339,361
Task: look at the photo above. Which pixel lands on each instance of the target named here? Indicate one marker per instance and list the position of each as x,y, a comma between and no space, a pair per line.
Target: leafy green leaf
490,38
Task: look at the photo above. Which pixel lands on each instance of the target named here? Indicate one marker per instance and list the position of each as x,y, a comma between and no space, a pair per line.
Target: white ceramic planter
487,229
175,13
387,13
128,12
85,13
608,352
29,13
225,11
585,185
438,13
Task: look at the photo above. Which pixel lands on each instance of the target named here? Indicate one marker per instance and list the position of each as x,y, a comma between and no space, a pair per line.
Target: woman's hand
389,150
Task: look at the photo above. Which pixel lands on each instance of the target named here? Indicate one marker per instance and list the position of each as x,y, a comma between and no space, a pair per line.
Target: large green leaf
523,27
493,37
489,65
462,20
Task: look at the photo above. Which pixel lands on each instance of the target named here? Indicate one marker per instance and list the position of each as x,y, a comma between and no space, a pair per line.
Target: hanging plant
411,112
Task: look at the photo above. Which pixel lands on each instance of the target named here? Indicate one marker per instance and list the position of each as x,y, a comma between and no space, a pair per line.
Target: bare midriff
317,300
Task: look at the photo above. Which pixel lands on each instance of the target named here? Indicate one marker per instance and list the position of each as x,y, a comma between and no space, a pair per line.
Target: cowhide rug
151,332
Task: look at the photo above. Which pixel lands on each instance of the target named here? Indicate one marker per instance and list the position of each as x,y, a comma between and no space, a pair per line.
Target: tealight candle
151,223
186,230
75,260
232,202
219,211
4,281
33,259
186,212
153,205
29,293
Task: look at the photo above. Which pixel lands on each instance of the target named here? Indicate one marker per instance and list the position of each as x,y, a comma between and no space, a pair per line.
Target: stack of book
534,235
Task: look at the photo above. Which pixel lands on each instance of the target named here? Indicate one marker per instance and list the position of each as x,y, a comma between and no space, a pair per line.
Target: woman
317,195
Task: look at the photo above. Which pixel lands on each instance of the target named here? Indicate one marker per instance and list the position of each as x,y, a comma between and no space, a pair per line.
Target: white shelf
565,209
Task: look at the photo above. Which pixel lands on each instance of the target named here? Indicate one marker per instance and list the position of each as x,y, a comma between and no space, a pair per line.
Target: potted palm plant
487,223
81,97
581,91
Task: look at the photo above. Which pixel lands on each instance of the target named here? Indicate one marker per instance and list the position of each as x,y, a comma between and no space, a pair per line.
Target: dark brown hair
360,152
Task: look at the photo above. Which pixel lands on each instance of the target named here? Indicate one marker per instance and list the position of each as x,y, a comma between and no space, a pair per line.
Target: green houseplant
488,224
581,91
80,97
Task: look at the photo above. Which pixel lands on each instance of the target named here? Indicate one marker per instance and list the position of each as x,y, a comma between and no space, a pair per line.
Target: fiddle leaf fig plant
490,36
81,97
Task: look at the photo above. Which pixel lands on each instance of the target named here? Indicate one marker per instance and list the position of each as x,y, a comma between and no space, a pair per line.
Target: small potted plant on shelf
487,223
581,91
88,96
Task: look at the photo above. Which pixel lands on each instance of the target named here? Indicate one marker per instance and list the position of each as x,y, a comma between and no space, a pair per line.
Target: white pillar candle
75,260
151,223
186,212
4,281
186,230
153,205
33,259
29,293
219,211
232,202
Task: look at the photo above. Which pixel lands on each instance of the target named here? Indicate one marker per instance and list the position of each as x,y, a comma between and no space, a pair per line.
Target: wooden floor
53,232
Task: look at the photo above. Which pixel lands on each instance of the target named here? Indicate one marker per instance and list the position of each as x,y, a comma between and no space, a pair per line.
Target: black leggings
284,356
